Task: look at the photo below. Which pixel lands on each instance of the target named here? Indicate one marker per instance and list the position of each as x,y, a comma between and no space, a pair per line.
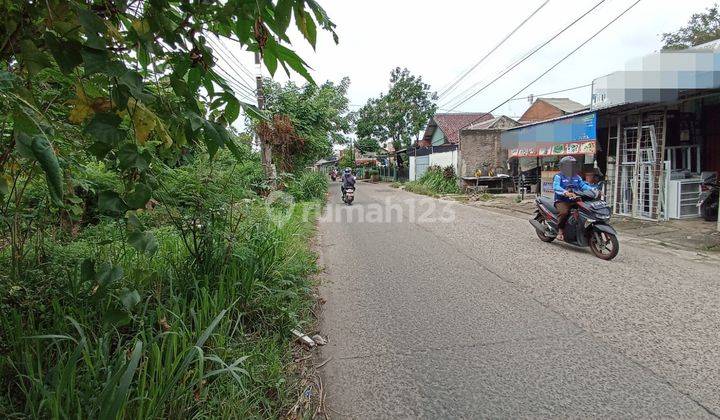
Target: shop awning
573,134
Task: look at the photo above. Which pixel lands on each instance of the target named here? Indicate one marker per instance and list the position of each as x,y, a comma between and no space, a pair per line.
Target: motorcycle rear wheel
608,249
709,212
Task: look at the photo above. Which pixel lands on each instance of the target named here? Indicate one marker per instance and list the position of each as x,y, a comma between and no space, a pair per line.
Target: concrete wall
444,159
434,159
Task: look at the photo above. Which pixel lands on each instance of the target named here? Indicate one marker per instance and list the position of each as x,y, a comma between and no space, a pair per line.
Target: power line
552,93
222,46
231,82
450,88
568,55
240,78
526,57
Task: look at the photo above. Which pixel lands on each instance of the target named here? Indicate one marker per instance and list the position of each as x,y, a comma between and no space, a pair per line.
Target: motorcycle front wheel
543,237
604,245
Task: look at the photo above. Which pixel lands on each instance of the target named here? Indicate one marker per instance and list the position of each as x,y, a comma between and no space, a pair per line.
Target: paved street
455,311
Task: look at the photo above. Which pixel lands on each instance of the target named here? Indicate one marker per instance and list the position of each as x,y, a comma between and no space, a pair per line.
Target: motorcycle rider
564,185
347,180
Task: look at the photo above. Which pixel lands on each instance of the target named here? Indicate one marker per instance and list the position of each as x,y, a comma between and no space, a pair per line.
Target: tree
702,27
400,114
319,118
367,145
134,85
347,158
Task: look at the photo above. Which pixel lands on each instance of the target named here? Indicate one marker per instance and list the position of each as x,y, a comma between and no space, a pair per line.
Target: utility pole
265,150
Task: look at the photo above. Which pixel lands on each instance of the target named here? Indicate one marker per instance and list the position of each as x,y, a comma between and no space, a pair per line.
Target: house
548,108
326,164
440,141
481,148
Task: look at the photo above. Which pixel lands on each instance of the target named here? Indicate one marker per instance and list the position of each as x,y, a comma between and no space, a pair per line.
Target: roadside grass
435,182
199,329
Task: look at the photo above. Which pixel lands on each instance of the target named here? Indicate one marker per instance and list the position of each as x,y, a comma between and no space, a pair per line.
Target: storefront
534,150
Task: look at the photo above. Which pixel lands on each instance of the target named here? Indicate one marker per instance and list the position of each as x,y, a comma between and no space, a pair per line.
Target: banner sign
573,135
550,149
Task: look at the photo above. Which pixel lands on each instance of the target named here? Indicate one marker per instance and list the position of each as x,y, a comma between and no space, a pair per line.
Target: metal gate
641,181
421,166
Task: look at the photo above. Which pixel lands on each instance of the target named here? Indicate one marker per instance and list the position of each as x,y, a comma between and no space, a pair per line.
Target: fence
387,173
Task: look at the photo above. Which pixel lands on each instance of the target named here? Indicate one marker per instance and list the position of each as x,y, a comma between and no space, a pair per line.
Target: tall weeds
96,329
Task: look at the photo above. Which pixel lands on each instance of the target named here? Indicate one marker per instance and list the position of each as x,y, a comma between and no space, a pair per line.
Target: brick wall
540,111
478,147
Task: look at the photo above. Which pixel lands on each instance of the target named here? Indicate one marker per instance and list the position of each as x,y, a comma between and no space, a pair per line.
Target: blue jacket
563,184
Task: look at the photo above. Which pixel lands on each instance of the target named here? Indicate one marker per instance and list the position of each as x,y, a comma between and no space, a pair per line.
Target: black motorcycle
349,195
587,224
708,200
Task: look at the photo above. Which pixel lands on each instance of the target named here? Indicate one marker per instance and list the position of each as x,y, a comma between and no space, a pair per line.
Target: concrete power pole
265,150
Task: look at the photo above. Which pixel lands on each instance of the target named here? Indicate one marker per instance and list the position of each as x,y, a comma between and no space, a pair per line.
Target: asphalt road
436,309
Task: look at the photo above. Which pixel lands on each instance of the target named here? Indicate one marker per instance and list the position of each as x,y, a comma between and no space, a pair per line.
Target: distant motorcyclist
565,184
347,180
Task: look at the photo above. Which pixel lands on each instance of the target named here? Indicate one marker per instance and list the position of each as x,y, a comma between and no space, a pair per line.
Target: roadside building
440,141
325,165
549,108
652,130
480,149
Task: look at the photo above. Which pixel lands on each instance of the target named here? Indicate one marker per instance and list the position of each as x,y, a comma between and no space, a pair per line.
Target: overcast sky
439,40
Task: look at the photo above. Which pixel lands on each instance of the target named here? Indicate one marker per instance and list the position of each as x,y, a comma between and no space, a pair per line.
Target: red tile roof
451,124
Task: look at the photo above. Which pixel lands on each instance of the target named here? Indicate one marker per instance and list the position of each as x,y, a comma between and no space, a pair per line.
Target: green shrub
308,186
94,328
436,181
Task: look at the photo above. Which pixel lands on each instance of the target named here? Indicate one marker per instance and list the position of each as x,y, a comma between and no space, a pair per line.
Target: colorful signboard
573,135
555,149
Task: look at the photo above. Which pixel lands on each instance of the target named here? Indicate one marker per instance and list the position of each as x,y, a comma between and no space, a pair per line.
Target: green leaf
109,274
87,270
105,128
32,58
213,139
130,299
139,196
66,52
38,148
194,78
232,109
143,242
117,318
133,81
89,20
118,396
253,112
111,202
270,60
283,12
131,157
45,155
96,61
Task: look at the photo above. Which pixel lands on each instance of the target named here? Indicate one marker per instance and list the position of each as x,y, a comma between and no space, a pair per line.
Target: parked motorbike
587,225
349,196
708,200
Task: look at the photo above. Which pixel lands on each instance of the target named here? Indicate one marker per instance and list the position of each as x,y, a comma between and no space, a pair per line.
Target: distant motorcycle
708,200
349,196
587,224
